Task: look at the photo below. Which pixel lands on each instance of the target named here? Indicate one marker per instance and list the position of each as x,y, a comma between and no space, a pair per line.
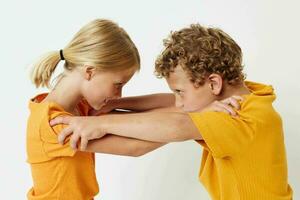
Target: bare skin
159,127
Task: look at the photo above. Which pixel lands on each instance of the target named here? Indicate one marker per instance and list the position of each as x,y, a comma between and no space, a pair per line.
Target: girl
99,61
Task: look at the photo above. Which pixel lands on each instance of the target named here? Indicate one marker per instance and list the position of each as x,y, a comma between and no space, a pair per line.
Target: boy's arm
112,144
152,126
166,126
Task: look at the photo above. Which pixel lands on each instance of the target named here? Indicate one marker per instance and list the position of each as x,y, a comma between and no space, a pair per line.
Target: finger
83,144
220,109
74,140
64,133
227,108
233,102
240,98
60,120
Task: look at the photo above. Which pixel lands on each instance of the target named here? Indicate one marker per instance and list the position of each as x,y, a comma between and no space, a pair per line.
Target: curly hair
201,51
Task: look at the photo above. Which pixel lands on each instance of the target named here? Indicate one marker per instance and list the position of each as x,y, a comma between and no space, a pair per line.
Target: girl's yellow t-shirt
58,171
244,157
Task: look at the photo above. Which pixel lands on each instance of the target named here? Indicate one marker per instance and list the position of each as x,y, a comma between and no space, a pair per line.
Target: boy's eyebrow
175,89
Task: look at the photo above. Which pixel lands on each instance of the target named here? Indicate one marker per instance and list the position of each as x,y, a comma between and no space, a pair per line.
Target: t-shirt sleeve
223,134
49,137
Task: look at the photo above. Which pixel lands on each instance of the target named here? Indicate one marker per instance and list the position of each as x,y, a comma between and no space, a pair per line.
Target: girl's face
100,86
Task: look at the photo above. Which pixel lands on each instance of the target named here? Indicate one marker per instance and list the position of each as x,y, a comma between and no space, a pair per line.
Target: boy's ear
89,72
215,82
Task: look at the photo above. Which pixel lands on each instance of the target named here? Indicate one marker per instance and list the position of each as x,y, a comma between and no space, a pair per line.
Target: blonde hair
101,44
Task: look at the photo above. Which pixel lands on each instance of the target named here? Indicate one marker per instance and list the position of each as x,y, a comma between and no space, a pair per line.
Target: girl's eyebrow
121,82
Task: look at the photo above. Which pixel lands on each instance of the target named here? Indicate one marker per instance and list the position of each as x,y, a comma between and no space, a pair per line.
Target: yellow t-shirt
58,171
244,157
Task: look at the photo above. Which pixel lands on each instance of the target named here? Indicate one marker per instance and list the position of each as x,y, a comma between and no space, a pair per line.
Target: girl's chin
98,107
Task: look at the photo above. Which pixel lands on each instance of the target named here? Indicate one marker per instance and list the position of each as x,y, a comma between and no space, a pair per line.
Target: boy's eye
180,92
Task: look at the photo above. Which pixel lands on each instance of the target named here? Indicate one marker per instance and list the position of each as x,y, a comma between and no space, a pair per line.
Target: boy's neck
234,90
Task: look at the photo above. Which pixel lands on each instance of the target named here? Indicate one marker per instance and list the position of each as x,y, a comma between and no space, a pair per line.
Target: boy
243,156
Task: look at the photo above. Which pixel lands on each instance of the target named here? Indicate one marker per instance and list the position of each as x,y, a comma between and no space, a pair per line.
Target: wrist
102,124
114,104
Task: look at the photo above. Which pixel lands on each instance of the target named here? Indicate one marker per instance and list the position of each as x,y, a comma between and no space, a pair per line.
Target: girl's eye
119,85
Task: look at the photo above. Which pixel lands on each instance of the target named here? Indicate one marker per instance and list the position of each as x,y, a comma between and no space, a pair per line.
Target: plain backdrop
267,31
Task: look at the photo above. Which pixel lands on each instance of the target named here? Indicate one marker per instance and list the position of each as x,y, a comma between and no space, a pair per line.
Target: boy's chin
192,109
188,110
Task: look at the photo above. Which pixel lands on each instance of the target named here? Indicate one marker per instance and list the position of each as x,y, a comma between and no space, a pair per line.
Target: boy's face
189,97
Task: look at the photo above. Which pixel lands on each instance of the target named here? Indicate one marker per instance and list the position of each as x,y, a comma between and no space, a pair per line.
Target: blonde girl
99,61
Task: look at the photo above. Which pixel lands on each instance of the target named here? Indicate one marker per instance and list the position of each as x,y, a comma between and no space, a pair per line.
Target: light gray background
268,32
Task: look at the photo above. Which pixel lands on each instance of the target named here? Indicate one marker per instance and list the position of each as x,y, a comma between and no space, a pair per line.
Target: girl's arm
140,103
112,144
162,127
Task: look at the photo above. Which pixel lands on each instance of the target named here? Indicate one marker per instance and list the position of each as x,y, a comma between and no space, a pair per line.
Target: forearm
117,145
145,102
152,126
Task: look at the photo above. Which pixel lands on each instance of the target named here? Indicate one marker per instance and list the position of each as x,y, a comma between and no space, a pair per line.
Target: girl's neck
66,93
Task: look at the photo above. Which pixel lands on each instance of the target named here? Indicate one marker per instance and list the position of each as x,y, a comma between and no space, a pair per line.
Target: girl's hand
229,105
82,129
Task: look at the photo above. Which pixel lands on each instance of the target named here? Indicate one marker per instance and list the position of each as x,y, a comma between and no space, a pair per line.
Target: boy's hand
229,105
82,129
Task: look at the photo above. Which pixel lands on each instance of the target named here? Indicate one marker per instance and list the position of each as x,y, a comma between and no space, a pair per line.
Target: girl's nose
118,94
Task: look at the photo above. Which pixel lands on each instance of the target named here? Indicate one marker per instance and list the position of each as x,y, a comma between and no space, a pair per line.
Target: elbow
135,153
144,148
181,127
136,150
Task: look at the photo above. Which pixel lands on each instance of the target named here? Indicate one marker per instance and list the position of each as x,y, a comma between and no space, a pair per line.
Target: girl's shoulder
41,137
40,108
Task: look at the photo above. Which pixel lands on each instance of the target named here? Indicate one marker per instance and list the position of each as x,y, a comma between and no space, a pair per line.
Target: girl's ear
215,82
89,72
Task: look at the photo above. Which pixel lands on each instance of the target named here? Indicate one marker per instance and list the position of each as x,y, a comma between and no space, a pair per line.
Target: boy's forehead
178,75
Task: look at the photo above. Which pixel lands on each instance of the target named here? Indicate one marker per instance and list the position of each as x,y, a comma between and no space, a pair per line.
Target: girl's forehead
124,74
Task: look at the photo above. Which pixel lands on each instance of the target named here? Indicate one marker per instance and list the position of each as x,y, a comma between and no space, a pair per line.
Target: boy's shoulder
259,101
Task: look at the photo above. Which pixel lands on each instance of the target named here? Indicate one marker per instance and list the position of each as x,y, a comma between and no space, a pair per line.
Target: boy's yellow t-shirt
244,157
58,171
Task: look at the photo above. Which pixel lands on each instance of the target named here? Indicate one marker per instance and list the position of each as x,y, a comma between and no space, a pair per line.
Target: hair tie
61,54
